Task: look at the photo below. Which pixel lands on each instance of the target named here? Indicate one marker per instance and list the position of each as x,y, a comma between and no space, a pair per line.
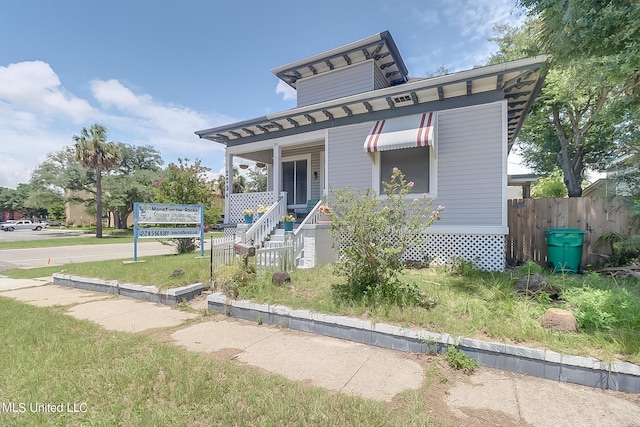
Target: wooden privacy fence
528,219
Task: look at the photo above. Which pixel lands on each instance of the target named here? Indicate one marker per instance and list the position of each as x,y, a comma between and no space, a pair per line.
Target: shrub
627,251
373,234
458,359
186,245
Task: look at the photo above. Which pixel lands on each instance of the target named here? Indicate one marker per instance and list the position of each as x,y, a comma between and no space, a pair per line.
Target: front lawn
463,302
106,378
481,305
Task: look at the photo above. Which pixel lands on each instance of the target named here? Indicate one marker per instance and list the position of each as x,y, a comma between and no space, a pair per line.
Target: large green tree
574,123
14,200
257,180
577,29
94,152
132,181
187,183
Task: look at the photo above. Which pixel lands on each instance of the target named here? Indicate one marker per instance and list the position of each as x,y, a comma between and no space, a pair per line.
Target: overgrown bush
627,251
373,233
604,309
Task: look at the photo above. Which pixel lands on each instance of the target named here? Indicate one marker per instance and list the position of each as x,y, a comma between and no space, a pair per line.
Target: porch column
228,186
277,168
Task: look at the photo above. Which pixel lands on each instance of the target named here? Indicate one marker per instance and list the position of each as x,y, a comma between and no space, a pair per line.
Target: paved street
48,233
42,257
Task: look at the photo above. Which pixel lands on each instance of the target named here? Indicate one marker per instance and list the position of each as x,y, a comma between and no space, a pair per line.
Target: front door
295,181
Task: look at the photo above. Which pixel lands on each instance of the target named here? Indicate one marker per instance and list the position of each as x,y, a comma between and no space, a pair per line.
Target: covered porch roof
517,81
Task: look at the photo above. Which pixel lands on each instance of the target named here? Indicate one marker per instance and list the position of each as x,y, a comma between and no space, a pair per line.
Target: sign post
167,214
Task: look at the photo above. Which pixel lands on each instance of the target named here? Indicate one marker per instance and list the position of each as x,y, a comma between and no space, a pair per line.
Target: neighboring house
10,215
359,115
76,210
612,183
519,186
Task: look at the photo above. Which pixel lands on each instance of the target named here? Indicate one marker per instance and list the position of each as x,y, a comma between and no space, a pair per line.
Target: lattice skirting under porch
240,201
487,252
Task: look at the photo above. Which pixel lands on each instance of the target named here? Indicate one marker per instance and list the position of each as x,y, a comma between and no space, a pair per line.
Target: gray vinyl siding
349,165
471,165
336,84
380,81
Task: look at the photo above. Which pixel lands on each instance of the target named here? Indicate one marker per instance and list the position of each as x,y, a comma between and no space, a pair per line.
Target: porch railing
267,222
298,233
279,257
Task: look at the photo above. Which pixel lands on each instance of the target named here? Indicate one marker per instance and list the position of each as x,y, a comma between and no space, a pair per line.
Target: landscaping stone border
148,293
619,376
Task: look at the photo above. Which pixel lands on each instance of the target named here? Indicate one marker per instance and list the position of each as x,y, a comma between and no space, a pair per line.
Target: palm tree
239,183
94,152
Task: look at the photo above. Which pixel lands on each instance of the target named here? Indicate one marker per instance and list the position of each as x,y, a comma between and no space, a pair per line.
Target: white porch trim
319,135
228,185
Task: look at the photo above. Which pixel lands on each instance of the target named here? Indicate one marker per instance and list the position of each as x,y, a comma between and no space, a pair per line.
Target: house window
414,164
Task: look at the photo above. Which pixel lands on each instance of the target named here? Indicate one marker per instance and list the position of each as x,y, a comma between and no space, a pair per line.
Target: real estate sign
167,214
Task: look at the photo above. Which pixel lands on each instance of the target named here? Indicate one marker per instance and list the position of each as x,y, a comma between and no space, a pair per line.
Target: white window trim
433,175
306,157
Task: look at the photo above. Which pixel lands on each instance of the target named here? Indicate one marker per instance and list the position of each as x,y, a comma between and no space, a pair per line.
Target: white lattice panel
230,232
241,201
487,252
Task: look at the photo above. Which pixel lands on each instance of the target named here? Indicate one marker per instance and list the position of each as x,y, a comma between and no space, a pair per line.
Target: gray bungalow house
359,114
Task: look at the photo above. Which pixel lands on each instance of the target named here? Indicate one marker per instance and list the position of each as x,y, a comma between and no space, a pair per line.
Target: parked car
22,224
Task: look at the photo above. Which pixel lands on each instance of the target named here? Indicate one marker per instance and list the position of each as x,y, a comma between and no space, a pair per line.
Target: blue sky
155,72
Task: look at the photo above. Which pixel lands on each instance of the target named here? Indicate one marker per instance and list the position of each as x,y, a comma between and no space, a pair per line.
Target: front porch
297,170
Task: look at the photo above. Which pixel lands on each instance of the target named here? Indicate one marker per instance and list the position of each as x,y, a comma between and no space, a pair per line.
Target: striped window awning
412,131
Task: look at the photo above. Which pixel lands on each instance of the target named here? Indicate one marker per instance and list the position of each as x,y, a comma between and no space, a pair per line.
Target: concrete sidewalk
488,397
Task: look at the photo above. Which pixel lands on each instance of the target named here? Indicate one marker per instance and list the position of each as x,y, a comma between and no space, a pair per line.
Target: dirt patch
200,303
490,397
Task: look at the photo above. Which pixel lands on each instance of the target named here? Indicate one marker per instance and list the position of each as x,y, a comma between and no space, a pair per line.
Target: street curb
618,376
148,293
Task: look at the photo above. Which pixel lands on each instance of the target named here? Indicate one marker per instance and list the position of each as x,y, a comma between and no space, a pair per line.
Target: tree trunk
98,203
121,220
572,167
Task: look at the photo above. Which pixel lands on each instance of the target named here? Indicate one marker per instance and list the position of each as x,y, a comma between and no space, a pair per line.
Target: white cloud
39,116
286,91
163,125
476,19
34,86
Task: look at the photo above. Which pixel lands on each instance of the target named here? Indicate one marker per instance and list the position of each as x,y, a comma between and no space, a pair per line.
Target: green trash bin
564,248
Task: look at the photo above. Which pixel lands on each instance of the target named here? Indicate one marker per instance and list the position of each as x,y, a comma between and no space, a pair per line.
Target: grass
127,379
484,306
465,303
112,236
155,270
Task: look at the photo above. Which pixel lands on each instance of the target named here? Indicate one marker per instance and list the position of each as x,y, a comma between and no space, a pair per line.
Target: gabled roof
380,48
517,81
